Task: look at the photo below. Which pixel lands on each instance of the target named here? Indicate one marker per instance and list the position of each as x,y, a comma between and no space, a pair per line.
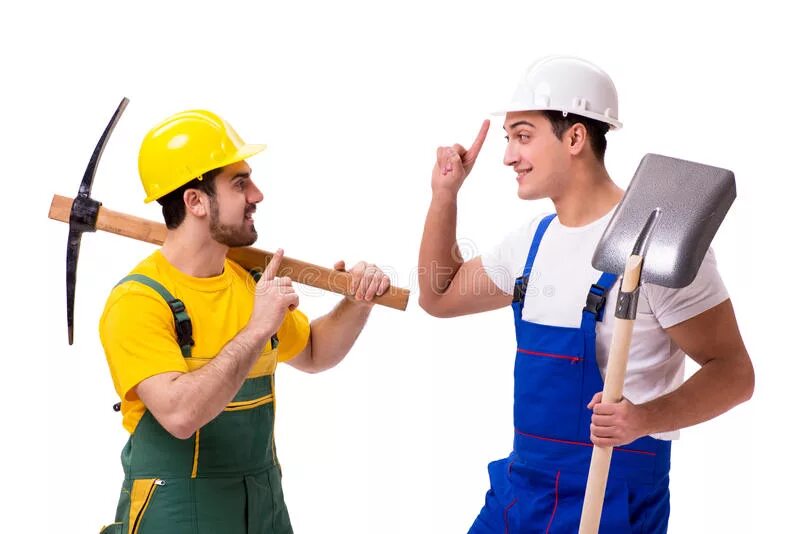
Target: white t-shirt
560,280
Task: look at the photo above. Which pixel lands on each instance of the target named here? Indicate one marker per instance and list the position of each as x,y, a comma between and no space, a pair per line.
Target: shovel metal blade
690,200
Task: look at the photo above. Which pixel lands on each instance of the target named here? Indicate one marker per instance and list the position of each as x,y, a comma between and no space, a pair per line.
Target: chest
560,279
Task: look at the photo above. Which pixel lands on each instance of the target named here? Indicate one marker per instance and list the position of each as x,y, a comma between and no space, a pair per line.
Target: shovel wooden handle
248,257
612,392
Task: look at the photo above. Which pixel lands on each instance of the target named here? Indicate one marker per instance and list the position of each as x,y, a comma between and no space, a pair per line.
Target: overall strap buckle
183,326
596,301
520,288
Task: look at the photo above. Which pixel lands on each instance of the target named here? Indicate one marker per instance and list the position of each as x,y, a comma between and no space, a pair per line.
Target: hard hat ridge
570,85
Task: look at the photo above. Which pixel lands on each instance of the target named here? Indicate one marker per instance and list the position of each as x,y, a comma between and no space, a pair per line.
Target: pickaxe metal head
83,217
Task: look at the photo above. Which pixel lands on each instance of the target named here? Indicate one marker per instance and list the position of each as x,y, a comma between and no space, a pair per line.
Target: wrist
362,305
646,423
258,334
444,196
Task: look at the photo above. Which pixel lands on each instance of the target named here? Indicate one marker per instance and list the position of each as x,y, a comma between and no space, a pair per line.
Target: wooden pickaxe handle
248,257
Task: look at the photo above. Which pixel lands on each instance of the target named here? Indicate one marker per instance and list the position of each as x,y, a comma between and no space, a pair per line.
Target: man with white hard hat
556,127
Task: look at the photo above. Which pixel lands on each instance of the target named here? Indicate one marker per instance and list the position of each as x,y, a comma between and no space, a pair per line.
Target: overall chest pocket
548,381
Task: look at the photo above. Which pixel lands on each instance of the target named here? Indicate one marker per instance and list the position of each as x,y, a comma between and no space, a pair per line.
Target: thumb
339,266
598,397
271,269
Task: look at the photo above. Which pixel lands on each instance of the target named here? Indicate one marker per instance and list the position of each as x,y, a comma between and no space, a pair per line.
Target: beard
232,235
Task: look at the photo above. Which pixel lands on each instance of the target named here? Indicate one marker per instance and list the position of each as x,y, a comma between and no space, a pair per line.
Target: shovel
658,234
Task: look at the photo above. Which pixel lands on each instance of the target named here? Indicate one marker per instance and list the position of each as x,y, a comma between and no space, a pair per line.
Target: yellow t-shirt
137,328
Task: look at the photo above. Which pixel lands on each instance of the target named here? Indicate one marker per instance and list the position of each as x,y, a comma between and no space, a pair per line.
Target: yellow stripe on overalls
265,364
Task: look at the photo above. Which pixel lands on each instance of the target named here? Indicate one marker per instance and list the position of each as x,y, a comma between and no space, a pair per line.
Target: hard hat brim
244,152
512,108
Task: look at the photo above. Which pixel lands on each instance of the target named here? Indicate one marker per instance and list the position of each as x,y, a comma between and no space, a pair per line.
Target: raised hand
454,163
274,297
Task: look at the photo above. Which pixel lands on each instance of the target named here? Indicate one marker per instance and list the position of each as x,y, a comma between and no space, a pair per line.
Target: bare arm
447,285
333,334
725,379
184,402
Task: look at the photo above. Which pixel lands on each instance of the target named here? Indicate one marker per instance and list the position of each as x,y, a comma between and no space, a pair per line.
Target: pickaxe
84,214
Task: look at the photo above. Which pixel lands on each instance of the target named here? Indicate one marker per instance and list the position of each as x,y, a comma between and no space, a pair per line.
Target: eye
524,137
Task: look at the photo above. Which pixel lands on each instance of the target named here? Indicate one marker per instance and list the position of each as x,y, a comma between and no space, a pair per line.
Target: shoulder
505,261
672,306
132,297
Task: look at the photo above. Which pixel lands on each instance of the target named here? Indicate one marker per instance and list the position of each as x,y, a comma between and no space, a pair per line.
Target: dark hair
596,129
172,205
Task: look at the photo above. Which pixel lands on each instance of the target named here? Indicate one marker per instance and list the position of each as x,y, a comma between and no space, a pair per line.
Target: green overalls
224,480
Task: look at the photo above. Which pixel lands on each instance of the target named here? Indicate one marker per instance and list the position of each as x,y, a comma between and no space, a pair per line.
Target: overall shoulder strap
521,283
183,324
537,240
596,298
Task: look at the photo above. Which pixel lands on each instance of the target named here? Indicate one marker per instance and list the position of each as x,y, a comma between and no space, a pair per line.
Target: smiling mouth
521,174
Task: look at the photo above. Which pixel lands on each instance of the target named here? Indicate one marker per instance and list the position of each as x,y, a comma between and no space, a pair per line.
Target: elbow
180,426
432,304
744,378
749,383
315,360
182,432
313,366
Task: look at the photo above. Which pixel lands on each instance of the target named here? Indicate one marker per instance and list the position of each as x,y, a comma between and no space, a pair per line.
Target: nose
511,156
254,196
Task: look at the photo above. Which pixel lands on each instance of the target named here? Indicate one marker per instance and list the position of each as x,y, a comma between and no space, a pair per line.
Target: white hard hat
569,85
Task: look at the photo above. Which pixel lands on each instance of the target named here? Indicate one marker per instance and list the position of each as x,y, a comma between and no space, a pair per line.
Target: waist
643,461
238,441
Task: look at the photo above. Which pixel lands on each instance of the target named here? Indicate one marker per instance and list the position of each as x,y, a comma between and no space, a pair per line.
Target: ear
196,202
576,138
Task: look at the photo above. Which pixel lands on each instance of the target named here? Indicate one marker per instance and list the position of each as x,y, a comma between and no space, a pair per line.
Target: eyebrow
240,175
519,123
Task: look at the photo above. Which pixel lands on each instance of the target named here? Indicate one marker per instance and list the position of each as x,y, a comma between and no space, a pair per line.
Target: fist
367,281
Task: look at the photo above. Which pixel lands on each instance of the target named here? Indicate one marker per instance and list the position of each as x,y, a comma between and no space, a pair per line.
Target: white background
353,99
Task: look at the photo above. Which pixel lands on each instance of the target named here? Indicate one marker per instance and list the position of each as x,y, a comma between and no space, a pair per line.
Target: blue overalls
539,488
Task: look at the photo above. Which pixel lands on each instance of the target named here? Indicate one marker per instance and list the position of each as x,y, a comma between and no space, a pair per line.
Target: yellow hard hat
186,145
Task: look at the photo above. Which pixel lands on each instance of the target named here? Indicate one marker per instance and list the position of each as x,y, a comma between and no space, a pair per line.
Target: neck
588,195
194,252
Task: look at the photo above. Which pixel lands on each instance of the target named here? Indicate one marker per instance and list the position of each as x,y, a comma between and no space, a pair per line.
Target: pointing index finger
473,151
271,269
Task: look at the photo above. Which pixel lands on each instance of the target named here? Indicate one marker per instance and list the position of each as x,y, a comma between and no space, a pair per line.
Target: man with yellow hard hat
192,343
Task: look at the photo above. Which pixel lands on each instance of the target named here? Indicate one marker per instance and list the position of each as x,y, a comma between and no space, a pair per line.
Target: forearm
333,335
439,257
715,388
199,396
